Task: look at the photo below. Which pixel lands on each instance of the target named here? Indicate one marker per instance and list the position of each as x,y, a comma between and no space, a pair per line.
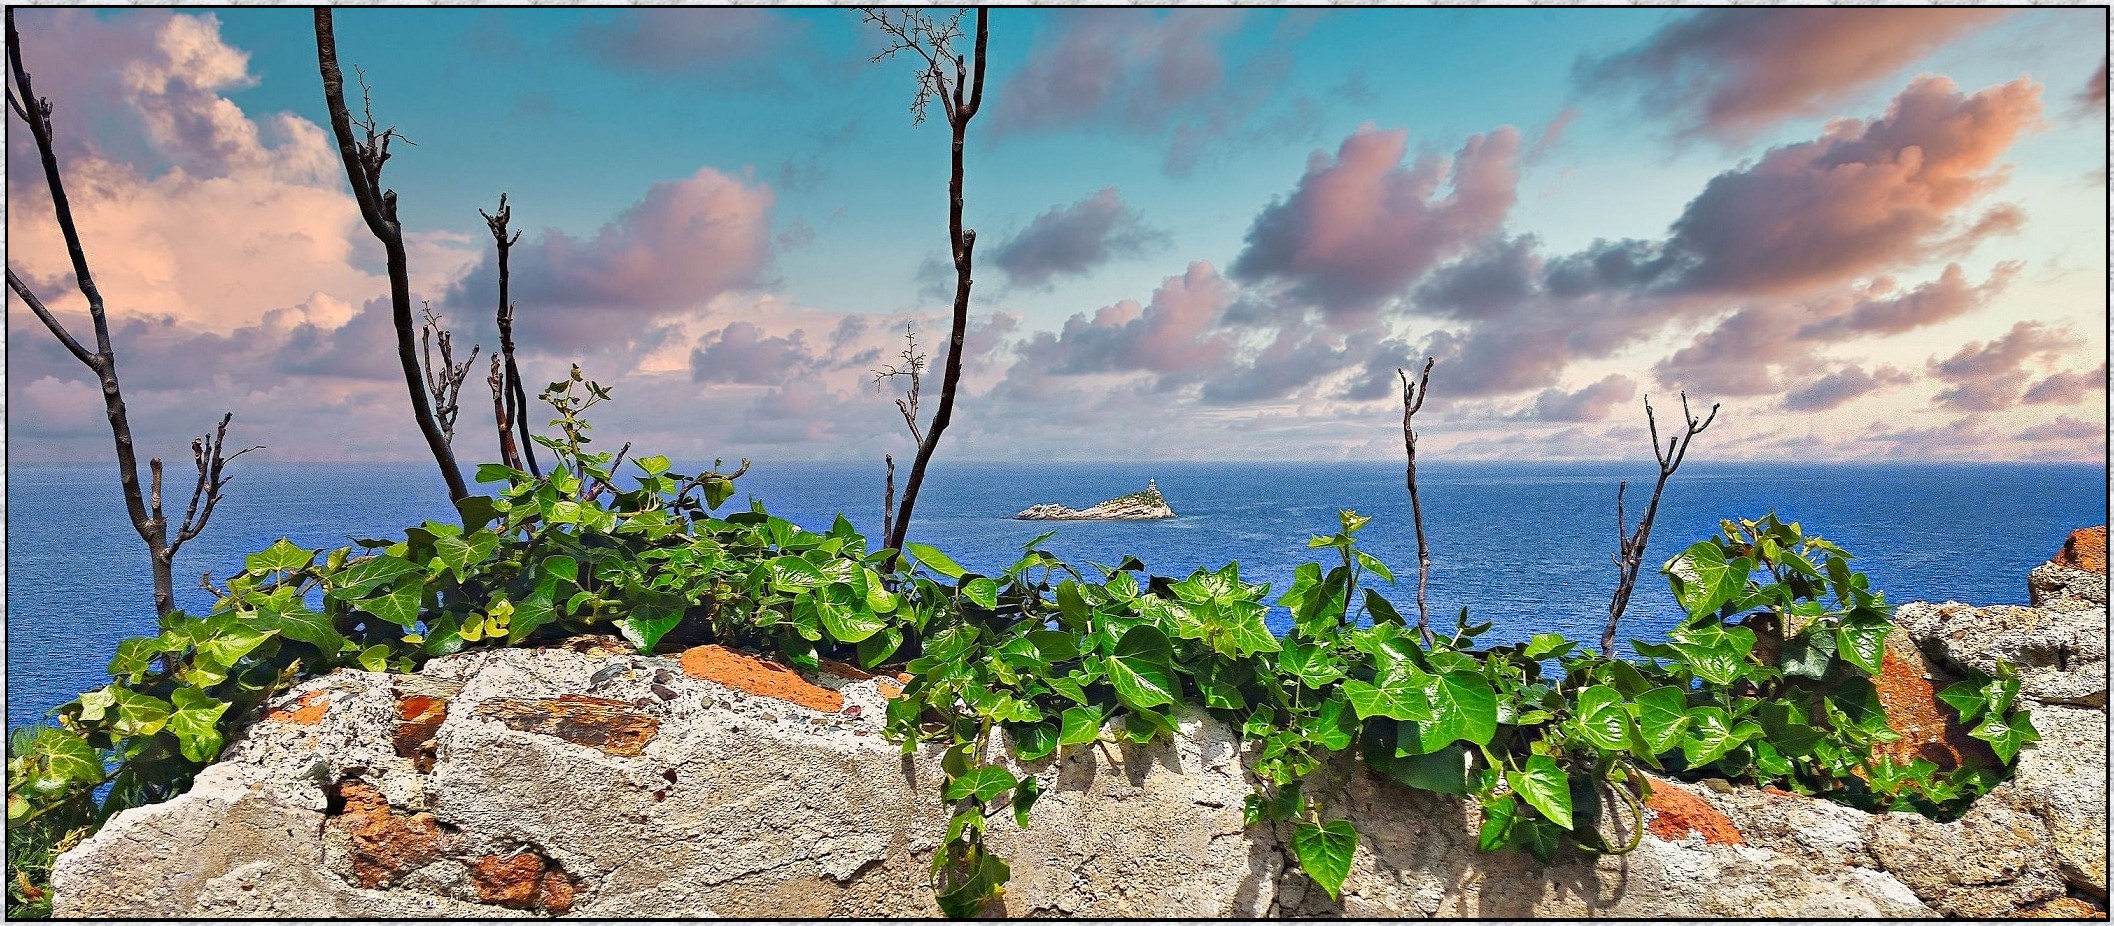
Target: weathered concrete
586,780
2061,656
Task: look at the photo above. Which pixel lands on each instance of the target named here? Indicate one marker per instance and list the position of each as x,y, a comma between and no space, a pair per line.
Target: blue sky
1208,231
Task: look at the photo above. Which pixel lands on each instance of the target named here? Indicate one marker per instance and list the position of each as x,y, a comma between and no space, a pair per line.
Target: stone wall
587,780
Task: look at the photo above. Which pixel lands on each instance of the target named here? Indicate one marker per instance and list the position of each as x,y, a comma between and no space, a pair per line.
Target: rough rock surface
1148,505
2061,656
587,780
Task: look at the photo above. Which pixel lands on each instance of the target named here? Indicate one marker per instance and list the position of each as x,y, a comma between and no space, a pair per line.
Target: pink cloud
1732,73
2070,387
1988,376
1361,226
1591,403
1135,68
2093,98
1863,197
1074,240
1842,386
1880,310
683,243
1171,335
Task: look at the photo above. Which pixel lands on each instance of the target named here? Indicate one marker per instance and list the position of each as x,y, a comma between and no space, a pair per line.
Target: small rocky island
1148,505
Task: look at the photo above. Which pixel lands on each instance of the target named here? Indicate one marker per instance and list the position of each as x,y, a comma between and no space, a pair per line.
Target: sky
1203,233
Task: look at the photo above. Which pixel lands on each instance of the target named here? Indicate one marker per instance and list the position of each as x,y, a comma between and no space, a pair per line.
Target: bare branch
363,160
933,42
1413,402
1629,560
44,315
912,368
446,379
513,394
143,508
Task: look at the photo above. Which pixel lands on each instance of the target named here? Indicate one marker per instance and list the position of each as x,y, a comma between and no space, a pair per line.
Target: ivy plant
1768,679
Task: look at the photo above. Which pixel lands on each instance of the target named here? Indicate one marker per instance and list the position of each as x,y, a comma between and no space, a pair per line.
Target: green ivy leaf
1398,692
879,599
400,606
1024,798
2006,735
1548,646
196,723
297,622
1312,664
1714,581
1861,640
368,574
1712,734
1142,669
68,760
1325,852
934,560
1789,731
984,782
983,591
793,574
1499,815
987,877
1463,708
645,627
1079,726
1966,699
1334,724
281,555
1033,741
1544,786
1662,716
136,713
1808,654
135,657
1600,718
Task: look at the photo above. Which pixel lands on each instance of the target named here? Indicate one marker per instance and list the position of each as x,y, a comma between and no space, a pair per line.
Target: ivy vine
1767,680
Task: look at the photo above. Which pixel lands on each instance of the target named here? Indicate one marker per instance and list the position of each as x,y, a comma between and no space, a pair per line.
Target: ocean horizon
1524,544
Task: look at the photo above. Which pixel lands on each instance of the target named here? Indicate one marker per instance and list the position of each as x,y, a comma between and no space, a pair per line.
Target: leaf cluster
1767,680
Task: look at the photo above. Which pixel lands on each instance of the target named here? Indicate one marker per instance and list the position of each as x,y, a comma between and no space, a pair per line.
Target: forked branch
1412,402
958,83
512,395
363,157
144,508
444,379
1629,555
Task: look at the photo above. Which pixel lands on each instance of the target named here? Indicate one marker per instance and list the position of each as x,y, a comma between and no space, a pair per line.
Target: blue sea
1525,545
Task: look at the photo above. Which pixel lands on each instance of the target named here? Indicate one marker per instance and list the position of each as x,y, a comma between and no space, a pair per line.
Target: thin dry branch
144,510
445,379
1629,558
1412,402
363,157
961,94
515,395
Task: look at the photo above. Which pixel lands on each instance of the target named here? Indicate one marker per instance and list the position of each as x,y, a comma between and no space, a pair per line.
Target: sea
1526,546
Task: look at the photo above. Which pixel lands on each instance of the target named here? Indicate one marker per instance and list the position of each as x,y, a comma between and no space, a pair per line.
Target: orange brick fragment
508,880
1924,722
307,711
2086,549
1677,813
759,677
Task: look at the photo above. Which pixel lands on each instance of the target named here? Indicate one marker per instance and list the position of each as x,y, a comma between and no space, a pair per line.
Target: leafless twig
958,84
363,158
514,413
144,509
1630,556
1413,396
446,379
